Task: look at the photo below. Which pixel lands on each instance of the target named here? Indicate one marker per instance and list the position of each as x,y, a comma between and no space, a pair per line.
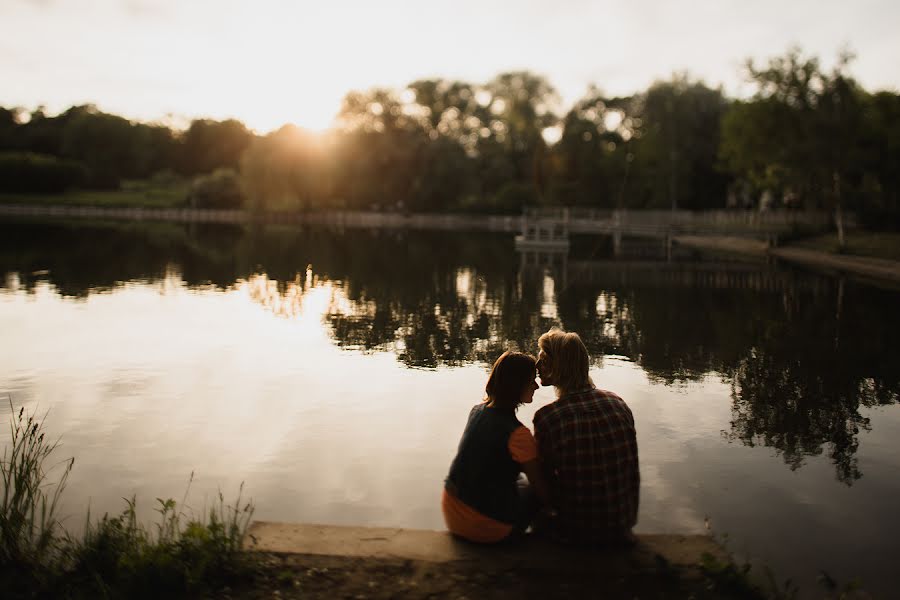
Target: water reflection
802,353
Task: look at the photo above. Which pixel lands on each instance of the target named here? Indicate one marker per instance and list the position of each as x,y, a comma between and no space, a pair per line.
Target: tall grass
29,529
180,553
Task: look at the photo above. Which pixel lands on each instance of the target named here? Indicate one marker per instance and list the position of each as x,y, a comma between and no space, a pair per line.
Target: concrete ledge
441,547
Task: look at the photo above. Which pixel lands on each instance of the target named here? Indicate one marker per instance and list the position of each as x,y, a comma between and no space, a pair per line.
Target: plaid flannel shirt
587,444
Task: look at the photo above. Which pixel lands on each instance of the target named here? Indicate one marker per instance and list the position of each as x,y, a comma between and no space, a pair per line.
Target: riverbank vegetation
119,557
161,191
808,137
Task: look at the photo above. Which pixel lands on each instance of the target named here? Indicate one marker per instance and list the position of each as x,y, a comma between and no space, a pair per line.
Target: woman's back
483,473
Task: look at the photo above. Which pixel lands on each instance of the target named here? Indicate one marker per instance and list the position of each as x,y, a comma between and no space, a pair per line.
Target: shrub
24,172
219,189
29,530
513,197
115,556
120,557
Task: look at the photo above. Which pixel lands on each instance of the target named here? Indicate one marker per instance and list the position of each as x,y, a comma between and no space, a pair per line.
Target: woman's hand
535,474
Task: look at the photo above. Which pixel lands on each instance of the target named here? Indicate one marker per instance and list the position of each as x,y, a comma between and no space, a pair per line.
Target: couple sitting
581,463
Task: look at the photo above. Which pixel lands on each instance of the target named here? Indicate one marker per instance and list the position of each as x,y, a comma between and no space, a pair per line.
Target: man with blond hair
588,447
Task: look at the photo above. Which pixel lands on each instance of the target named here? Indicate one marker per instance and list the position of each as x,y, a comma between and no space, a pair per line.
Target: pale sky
270,62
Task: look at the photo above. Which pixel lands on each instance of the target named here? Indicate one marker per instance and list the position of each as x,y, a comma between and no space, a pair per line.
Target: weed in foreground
115,557
29,529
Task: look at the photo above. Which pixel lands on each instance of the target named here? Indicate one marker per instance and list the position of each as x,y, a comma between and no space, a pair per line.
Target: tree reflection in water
803,353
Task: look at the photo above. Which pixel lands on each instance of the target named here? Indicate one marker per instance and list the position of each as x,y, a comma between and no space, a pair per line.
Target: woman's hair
511,373
567,359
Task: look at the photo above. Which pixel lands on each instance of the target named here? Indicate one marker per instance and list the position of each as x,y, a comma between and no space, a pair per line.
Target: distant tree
208,145
156,149
879,161
41,133
107,144
524,105
38,173
9,128
451,110
219,189
676,129
590,160
444,177
801,131
402,151
285,170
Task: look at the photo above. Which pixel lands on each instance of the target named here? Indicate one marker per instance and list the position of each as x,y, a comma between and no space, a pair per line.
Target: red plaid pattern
587,444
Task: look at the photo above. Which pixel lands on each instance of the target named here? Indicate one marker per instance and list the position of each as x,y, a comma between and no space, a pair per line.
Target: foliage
114,557
676,126
149,193
113,149
219,189
38,173
728,579
803,133
208,145
513,198
29,529
118,556
284,170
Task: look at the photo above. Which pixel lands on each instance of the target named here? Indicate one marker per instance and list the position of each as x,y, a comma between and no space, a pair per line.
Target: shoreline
876,271
870,270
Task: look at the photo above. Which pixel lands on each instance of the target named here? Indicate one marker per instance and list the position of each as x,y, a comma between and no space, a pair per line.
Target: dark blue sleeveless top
483,475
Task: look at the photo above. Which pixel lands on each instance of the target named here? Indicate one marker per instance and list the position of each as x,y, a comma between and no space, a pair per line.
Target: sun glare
313,112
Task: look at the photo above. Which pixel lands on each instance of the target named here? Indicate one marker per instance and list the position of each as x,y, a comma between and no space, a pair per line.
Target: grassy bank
181,554
133,194
885,245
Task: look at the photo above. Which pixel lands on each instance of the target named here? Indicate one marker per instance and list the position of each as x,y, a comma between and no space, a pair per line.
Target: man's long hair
568,360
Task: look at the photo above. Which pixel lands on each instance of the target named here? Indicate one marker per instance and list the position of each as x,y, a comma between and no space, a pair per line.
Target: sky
271,62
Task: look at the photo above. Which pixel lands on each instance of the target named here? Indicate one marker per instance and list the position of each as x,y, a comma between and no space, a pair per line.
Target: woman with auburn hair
483,499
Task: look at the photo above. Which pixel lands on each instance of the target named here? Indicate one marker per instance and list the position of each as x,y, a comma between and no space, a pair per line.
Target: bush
115,557
513,197
29,530
219,189
120,557
24,172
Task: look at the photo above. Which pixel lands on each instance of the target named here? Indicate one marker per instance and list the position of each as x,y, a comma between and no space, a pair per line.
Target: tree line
807,138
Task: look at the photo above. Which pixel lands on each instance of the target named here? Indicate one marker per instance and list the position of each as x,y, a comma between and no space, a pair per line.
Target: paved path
868,268
875,270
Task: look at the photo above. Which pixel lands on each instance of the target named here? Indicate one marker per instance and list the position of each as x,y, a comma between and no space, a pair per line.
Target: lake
331,371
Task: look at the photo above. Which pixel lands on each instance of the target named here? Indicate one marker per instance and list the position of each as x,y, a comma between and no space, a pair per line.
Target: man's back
588,445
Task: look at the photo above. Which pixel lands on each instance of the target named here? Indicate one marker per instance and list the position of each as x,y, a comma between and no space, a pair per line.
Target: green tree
107,144
590,161
879,186
524,106
208,145
676,129
801,131
285,170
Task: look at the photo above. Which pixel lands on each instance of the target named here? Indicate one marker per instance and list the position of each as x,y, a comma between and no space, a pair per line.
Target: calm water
332,372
